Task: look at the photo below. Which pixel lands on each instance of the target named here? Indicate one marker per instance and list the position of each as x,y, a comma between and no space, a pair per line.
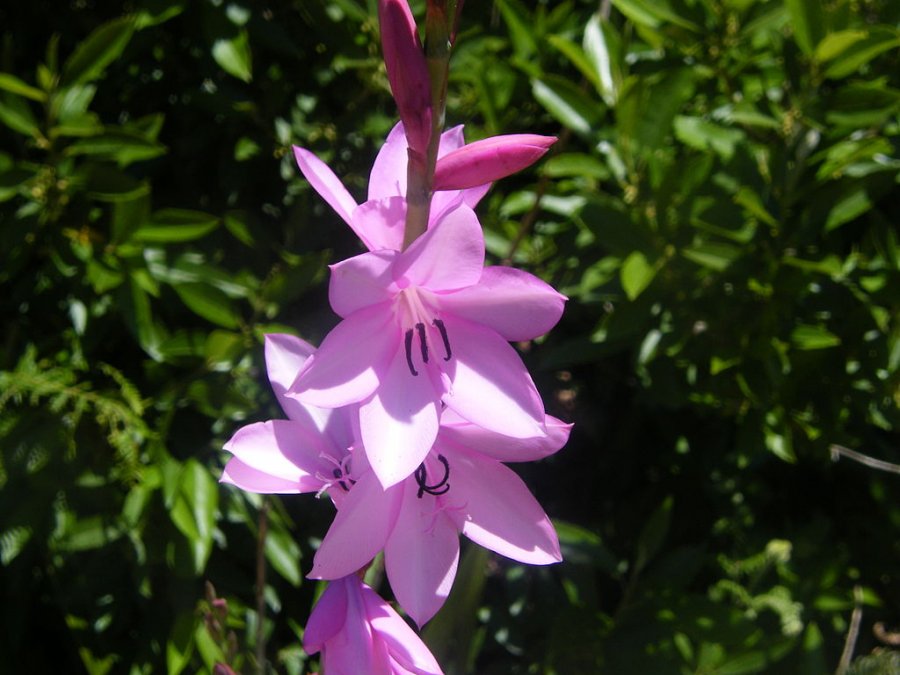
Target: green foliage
721,209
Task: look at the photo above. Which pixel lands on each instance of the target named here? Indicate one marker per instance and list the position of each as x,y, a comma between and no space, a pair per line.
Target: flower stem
420,169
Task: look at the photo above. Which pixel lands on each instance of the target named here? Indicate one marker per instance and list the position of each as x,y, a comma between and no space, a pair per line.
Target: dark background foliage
721,209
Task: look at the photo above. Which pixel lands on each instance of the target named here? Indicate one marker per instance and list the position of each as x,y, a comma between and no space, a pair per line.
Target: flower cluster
406,413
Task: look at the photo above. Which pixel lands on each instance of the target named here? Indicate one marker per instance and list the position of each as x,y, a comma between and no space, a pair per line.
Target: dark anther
440,326
420,328
439,488
409,336
337,473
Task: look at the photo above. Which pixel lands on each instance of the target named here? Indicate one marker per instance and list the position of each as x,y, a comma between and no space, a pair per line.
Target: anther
439,488
440,326
409,339
337,473
420,328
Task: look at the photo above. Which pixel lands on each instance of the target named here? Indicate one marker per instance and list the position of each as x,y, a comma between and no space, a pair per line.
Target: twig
852,632
838,450
261,587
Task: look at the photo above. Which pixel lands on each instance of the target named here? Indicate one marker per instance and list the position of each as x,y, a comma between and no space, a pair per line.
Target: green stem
420,170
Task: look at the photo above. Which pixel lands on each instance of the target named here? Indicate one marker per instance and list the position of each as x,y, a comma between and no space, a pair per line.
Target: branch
838,450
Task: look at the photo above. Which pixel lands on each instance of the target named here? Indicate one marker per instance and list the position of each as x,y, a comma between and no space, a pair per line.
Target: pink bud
489,160
407,71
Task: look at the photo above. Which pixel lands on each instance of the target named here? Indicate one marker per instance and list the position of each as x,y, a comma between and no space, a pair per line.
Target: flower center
422,326
436,489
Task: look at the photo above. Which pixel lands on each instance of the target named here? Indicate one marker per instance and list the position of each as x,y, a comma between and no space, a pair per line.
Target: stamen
440,326
420,328
439,488
337,473
409,339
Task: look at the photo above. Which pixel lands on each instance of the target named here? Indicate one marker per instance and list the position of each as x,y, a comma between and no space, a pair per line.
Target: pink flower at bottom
358,633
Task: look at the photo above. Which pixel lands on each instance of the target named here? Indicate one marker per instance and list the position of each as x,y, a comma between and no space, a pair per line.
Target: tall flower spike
407,71
359,633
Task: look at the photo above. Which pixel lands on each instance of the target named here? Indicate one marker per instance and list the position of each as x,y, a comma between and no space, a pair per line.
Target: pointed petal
503,448
490,385
388,176
407,70
516,304
359,530
252,480
399,423
327,617
361,281
325,183
452,139
421,556
449,256
497,511
285,357
352,649
404,645
283,449
380,222
488,160
346,367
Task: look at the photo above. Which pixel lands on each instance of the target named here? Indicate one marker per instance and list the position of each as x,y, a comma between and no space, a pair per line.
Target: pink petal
327,617
352,649
516,304
252,480
404,645
360,529
285,357
489,160
449,256
287,450
388,176
361,281
345,368
503,448
380,222
490,385
406,70
399,423
421,556
498,512
325,183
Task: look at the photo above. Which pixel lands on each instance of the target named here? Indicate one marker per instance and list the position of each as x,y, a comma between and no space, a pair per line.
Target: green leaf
566,103
520,26
175,225
848,207
194,510
636,274
715,256
849,61
233,55
703,135
99,49
808,22
108,184
808,337
123,148
284,555
603,48
836,43
14,85
210,303
15,113
652,13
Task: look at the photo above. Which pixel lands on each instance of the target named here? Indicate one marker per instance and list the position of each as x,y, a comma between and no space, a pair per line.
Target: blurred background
721,209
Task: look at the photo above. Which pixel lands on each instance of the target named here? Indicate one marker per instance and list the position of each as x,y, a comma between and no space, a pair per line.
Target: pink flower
426,328
462,487
305,453
358,633
464,176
